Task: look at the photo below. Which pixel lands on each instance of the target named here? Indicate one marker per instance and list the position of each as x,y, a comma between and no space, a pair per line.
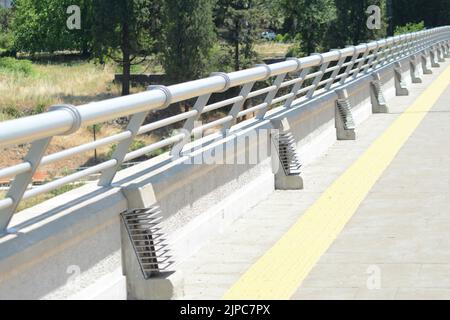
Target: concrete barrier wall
69,247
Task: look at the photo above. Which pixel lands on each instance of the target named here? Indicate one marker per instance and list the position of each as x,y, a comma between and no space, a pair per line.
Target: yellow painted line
279,273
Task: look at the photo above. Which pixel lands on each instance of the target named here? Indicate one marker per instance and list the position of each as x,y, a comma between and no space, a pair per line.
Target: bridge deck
361,228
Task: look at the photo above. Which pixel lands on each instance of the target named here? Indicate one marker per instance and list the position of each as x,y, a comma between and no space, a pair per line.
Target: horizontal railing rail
284,84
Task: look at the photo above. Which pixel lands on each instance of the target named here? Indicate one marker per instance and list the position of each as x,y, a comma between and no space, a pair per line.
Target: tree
123,31
311,19
41,26
6,36
189,36
350,26
434,13
242,21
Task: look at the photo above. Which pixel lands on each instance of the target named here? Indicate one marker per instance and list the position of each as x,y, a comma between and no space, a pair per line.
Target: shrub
11,112
15,66
6,41
296,51
409,27
279,38
97,127
136,145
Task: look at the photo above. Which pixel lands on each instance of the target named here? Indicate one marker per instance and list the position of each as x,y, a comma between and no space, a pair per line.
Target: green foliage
279,38
296,51
432,12
41,26
124,31
95,127
221,58
66,188
243,21
350,26
15,66
409,27
6,35
11,112
311,19
189,35
136,145
6,41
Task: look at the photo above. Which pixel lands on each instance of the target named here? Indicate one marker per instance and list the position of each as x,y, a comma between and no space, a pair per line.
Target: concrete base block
343,134
400,91
414,72
435,64
380,108
376,96
400,85
162,286
416,80
425,68
166,286
139,196
283,182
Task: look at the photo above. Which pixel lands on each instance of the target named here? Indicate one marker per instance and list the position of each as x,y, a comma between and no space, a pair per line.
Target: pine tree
311,19
434,13
122,30
242,21
189,36
350,26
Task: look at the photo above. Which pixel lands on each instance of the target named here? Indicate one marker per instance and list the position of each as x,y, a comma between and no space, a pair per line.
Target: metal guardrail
303,79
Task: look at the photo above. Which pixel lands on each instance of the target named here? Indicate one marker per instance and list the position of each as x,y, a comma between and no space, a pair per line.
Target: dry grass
271,49
75,83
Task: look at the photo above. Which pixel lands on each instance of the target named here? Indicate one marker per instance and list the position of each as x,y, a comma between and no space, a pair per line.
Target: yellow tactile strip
282,269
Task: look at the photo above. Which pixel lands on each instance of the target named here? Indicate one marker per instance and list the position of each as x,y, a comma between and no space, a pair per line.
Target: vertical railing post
34,156
298,85
272,94
189,126
350,66
339,64
361,63
237,106
133,127
319,77
22,181
372,59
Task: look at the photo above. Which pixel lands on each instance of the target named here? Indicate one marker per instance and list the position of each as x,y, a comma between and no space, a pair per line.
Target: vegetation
44,62
190,38
350,26
16,67
124,32
409,27
311,20
188,34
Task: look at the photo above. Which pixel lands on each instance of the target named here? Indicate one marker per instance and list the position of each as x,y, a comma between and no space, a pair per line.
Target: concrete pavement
396,242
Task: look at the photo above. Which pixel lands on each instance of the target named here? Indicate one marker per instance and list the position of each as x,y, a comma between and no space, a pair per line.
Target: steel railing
294,81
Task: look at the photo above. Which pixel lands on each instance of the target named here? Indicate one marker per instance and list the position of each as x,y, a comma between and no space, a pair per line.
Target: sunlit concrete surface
397,245
399,233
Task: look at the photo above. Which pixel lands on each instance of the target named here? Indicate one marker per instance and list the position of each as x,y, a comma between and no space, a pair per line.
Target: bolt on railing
303,79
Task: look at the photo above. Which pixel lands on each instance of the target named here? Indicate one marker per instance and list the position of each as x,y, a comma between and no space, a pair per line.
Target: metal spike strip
287,153
379,93
147,240
346,114
401,78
